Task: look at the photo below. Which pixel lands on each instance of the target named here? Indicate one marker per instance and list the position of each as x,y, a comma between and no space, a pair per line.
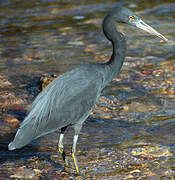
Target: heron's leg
77,130
60,146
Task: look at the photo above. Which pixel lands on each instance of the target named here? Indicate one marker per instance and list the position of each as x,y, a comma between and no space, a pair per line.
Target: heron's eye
131,17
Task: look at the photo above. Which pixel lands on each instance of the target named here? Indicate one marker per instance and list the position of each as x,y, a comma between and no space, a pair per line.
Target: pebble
78,17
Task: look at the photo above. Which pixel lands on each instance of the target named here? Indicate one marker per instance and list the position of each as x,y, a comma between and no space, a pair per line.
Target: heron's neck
115,63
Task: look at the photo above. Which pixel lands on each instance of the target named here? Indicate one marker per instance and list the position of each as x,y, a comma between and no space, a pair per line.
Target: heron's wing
66,100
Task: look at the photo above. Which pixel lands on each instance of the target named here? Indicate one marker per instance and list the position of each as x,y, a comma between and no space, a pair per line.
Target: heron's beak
142,25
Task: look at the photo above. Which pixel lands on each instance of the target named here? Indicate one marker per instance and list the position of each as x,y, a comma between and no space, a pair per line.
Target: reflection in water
130,133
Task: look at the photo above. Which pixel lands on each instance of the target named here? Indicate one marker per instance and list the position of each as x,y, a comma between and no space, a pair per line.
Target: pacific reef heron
69,99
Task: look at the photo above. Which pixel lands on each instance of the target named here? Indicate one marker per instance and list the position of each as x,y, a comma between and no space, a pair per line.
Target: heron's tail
23,136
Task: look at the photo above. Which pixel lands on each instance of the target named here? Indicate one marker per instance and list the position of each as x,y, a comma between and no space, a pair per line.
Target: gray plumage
69,99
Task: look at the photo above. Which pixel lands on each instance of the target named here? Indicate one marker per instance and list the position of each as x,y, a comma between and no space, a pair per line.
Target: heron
69,99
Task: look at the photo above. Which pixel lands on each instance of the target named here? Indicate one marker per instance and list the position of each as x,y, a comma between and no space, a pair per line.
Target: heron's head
124,15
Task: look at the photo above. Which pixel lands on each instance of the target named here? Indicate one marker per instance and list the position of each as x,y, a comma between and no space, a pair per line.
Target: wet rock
129,177
139,107
25,173
135,171
64,30
8,99
12,121
76,42
45,80
93,21
132,5
78,17
33,55
150,150
99,57
4,82
91,48
5,129
167,91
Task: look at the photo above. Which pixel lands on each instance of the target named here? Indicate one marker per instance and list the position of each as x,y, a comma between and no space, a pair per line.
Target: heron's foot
76,164
60,149
66,160
63,154
68,164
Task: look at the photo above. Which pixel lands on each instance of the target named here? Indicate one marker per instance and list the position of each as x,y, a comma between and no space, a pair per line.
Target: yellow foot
63,154
60,149
76,164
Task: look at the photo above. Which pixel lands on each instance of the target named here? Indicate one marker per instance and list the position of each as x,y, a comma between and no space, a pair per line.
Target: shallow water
130,133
